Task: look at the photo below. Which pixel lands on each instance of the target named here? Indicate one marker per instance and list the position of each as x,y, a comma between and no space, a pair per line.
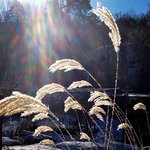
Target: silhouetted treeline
32,39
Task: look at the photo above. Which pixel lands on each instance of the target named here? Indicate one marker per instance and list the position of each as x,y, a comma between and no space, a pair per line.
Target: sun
34,3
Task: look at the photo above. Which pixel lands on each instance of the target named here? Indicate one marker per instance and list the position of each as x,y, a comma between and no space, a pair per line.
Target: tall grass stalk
72,138
122,117
114,100
84,111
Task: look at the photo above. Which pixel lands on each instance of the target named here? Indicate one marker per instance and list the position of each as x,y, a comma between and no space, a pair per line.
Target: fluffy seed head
41,129
79,84
71,104
21,103
49,89
124,126
139,106
47,142
84,136
105,15
97,96
96,111
66,65
40,116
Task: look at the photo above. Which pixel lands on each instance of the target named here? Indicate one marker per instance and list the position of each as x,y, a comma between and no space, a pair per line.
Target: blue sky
116,6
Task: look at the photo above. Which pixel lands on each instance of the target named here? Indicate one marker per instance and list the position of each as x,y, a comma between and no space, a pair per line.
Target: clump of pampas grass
22,103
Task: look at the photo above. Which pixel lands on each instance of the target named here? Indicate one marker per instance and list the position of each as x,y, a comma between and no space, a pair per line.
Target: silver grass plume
96,111
21,103
71,104
47,142
97,96
79,84
84,136
66,65
124,126
105,15
139,106
49,89
40,116
41,129
103,103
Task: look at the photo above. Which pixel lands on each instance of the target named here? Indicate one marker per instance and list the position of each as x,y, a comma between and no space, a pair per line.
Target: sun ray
41,32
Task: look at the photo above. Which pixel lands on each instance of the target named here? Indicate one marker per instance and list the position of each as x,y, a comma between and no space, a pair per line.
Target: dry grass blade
66,65
49,89
97,96
21,103
71,104
96,111
79,84
124,126
103,103
41,129
84,136
105,15
47,142
40,116
139,106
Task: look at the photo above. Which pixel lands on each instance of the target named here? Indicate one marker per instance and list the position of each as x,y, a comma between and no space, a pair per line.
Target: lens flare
45,35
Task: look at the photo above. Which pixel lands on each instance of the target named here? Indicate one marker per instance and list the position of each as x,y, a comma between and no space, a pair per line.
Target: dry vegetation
27,105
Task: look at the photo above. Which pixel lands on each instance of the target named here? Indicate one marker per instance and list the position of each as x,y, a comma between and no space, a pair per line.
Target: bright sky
116,6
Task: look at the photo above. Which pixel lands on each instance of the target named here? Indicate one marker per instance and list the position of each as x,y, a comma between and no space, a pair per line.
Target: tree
78,9
15,13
